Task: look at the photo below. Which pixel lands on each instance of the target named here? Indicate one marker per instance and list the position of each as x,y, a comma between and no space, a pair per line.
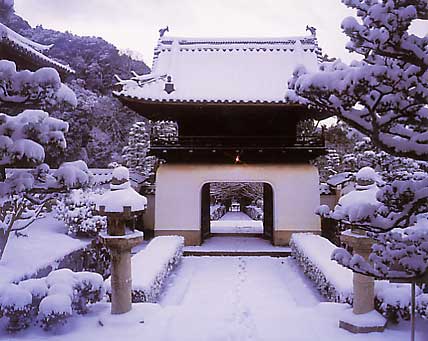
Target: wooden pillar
205,212
267,211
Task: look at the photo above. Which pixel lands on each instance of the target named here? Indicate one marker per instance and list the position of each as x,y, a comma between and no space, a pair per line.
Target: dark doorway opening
237,209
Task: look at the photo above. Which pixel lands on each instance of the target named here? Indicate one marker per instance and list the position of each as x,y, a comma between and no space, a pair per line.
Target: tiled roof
26,48
225,70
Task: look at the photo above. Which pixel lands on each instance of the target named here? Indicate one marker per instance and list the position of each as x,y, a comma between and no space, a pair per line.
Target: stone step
237,234
237,247
231,253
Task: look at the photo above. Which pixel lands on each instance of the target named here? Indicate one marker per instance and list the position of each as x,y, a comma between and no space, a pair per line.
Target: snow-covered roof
30,49
120,197
104,175
340,178
222,70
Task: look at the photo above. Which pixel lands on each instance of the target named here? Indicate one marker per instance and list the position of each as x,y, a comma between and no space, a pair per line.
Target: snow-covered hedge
334,281
217,211
49,301
422,305
254,212
313,253
152,266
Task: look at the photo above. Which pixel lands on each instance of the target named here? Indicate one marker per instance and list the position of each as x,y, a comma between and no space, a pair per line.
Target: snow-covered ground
237,244
236,222
226,298
46,242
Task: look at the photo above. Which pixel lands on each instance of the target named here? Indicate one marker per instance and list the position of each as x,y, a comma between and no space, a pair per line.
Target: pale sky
134,24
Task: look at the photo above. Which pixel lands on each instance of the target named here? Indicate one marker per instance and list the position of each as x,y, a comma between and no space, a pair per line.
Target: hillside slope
99,125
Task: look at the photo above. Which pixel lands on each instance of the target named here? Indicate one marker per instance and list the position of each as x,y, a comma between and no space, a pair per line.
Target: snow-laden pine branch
385,96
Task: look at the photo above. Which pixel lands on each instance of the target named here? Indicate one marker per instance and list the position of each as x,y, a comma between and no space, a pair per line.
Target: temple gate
227,96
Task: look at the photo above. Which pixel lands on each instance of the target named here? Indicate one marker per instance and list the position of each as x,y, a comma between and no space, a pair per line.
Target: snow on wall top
30,48
225,70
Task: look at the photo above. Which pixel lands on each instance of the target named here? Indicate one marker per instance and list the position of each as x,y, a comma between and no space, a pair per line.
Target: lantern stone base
362,323
121,277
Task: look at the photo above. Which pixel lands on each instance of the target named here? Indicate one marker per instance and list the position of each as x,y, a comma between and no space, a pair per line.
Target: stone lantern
119,204
363,318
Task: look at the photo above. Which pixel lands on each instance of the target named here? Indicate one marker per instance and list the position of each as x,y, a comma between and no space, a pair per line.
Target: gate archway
268,214
295,195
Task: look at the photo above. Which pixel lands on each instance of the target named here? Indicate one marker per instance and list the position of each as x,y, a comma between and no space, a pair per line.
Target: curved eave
145,106
36,58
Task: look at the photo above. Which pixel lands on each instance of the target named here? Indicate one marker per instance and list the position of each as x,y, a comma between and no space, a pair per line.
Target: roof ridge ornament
162,31
311,29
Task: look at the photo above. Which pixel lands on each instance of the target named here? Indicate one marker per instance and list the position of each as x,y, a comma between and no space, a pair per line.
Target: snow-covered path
224,299
239,298
236,222
252,298
233,216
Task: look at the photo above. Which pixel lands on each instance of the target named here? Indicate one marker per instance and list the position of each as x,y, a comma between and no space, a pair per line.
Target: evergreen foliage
384,96
99,124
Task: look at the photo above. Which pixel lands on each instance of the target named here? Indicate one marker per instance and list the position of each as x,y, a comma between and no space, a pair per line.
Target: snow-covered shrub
73,174
89,288
313,253
16,306
37,287
82,288
394,300
76,209
155,263
422,305
54,310
254,212
97,258
61,276
50,300
217,211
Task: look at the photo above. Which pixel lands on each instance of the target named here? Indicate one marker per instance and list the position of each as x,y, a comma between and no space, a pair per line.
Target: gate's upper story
228,97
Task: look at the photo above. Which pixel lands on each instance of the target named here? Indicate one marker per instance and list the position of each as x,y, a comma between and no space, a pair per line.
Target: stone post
121,277
363,300
121,281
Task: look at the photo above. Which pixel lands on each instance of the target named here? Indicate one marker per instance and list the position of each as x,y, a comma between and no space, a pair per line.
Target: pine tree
385,97
135,153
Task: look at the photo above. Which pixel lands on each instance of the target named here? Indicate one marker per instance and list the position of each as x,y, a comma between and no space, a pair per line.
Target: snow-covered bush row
313,253
254,212
334,281
152,266
217,211
422,305
49,301
76,209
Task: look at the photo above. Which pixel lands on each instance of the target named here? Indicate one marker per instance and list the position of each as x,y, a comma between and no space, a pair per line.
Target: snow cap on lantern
121,197
366,176
358,205
120,177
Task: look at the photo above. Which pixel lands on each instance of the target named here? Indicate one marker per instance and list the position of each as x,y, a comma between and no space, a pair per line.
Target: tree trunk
2,173
4,236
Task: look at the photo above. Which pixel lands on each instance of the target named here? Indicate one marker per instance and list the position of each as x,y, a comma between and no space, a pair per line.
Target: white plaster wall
295,190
